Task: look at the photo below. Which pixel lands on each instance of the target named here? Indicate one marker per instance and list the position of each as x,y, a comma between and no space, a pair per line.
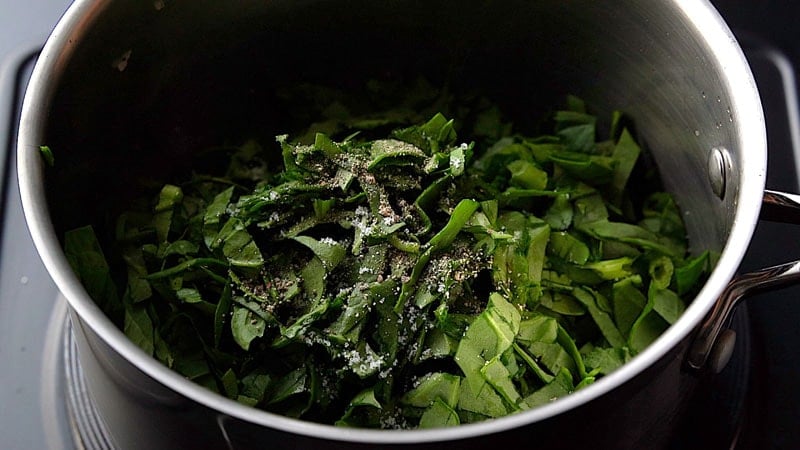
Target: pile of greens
409,281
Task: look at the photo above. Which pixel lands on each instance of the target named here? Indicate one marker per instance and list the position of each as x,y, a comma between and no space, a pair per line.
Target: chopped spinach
411,280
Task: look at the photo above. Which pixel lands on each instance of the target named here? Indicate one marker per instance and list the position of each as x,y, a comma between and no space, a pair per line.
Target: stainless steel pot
123,88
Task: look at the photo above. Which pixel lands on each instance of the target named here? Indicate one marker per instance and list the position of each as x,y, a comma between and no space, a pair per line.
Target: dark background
773,418
775,21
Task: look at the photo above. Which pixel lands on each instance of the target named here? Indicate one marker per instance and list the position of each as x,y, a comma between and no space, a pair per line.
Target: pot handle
713,345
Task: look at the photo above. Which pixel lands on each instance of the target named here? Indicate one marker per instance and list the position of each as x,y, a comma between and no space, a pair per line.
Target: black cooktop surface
767,28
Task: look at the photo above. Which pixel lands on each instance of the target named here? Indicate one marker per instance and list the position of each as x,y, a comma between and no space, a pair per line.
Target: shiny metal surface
719,166
781,207
739,288
776,207
673,66
88,428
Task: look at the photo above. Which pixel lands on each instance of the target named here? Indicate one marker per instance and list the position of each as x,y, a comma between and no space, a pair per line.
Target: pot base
720,411
89,430
719,403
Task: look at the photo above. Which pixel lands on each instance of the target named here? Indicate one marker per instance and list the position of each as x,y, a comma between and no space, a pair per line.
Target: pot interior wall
150,83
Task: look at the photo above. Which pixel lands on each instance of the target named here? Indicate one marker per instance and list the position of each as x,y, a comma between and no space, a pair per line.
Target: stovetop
753,403
33,415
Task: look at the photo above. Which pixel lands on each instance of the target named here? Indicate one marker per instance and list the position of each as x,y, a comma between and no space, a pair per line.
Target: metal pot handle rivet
719,164
722,351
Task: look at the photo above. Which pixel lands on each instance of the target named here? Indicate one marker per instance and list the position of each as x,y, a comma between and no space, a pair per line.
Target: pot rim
745,108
